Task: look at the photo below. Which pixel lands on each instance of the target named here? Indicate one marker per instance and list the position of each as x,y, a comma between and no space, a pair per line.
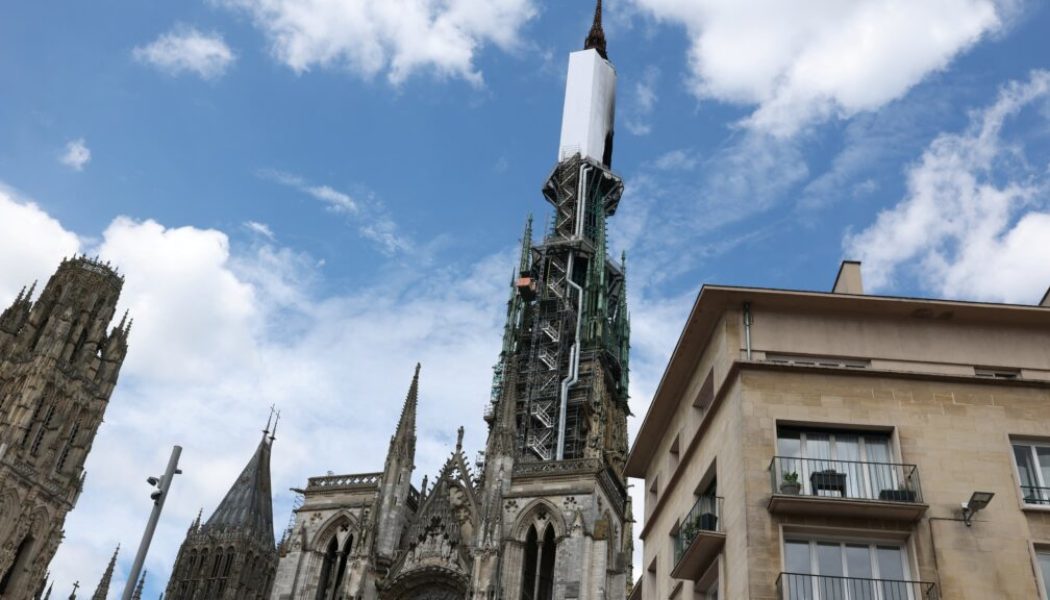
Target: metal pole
158,505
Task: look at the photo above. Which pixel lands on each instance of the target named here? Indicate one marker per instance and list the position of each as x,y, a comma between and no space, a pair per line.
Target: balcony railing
1034,494
705,516
852,479
801,586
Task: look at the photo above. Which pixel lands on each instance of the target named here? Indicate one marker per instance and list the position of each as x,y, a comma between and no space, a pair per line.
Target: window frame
1042,586
1030,445
903,537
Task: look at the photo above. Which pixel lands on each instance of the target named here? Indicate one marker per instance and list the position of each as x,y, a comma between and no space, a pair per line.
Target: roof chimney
849,280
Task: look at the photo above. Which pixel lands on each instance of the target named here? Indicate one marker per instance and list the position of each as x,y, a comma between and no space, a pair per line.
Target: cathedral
544,515
58,368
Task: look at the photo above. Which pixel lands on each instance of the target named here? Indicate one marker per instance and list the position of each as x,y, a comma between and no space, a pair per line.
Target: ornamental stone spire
596,37
102,591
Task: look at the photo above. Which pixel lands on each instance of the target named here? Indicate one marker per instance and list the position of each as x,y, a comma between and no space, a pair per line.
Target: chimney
849,280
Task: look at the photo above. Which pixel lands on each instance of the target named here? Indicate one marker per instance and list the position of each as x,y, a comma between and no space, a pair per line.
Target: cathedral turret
397,476
233,554
52,401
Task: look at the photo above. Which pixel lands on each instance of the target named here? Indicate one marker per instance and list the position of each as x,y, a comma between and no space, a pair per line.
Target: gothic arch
341,521
539,512
427,583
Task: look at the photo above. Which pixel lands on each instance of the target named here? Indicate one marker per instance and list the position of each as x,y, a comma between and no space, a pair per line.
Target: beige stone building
812,445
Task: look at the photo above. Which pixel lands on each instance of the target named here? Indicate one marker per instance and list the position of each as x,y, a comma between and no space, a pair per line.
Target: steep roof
248,506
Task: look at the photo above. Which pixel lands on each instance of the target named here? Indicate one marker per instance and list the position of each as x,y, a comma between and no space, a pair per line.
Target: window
674,454
997,373
835,570
654,491
1033,470
706,395
1043,558
817,361
537,581
840,463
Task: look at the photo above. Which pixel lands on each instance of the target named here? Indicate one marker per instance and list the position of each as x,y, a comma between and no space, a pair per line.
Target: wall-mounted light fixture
977,501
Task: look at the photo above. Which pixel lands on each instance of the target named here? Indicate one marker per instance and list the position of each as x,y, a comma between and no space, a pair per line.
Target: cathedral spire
596,37
102,591
137,594
248,506
406,425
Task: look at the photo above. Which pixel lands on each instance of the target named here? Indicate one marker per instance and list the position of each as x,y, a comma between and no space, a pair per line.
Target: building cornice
713,301
755,365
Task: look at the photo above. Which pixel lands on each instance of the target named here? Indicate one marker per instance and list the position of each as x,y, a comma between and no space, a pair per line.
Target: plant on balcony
901,494
789,483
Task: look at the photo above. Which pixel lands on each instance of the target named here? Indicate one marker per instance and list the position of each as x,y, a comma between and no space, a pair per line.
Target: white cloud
187,50
804,62
677,160
32,243
976,219
642,102
77,154
372,219
398,37
260,229
221,333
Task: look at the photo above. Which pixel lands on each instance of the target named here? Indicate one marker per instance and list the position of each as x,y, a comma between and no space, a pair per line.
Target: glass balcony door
832,570
826,452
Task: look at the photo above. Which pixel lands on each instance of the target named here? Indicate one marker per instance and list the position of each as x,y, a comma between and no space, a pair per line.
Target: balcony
699,539
799,586
845,488
1035,495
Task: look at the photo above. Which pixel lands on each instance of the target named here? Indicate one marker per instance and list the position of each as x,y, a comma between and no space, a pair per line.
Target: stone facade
947,388
58,367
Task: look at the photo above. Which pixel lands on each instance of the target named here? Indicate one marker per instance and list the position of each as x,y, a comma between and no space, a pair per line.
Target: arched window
19,563
537,581
328,567
341,569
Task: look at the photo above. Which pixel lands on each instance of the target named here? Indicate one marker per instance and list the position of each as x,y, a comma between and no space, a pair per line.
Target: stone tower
58,367
556,522
233,555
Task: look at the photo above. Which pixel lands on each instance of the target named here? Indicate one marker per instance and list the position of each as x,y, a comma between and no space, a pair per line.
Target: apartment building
844,446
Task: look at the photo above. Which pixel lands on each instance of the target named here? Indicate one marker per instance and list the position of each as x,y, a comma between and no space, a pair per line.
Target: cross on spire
596,37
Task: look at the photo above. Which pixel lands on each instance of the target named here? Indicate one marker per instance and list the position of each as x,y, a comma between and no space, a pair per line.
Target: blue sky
308,196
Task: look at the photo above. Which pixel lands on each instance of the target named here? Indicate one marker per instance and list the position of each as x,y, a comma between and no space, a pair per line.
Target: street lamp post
159,494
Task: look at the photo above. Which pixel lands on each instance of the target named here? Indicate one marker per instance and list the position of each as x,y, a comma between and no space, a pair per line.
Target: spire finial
276,421
459,439
269,421
596,37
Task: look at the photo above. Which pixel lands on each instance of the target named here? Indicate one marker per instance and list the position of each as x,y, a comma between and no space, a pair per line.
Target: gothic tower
233,555
556,522
58,368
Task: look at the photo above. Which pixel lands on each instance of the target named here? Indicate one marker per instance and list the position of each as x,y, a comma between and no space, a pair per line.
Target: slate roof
248,506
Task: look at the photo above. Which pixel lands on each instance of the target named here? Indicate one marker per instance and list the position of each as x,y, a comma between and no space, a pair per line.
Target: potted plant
901,494
789,483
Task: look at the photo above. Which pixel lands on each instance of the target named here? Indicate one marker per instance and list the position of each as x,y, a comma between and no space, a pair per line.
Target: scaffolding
566,322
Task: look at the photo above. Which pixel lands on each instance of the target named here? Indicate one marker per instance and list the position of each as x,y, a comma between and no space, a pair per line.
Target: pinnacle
596,37
407,423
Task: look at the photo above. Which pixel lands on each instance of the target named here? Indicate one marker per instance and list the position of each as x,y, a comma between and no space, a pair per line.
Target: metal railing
1034,494
704,516
801,586
858,480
